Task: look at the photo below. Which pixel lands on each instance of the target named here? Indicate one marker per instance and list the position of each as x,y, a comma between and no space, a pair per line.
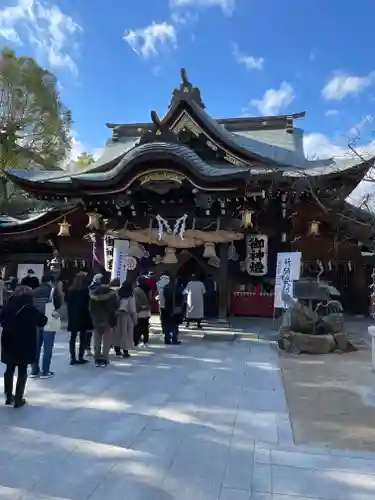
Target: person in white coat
195,291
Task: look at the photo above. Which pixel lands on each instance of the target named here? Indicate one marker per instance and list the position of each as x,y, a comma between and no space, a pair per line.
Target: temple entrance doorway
190,267
184,274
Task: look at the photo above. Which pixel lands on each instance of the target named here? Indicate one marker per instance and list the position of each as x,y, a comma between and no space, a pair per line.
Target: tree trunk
4,193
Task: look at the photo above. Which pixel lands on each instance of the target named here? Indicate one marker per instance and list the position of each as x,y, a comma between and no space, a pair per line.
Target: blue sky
117,60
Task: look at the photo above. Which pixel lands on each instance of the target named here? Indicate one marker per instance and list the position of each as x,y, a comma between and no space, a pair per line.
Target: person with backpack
20,321
123,333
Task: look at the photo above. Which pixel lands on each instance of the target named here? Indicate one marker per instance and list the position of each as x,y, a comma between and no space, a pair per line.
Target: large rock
295,342
313,344
343,343
334,322
303,319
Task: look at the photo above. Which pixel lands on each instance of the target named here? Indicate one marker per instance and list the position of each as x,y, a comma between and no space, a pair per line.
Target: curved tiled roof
160,149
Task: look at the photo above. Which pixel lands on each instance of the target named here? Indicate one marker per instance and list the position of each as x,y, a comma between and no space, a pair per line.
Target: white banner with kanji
288,269
257,254
119,268
109,244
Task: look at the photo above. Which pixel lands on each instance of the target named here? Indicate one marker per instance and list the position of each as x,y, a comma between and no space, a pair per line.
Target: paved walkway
203,421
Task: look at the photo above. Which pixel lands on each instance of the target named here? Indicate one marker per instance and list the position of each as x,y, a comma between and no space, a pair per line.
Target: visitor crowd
113,316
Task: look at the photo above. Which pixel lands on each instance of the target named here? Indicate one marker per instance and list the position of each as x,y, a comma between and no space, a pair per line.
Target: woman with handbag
19,320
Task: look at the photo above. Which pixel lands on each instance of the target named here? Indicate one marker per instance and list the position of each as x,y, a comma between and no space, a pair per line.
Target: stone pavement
206,420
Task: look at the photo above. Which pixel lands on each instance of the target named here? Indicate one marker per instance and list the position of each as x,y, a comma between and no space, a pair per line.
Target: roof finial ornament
159,131
156,121
184,78
186,92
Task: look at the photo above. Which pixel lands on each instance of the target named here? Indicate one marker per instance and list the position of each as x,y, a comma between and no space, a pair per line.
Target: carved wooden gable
185,122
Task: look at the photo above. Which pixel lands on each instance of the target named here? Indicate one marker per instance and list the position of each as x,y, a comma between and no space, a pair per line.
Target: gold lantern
64,228
247,218
209,251
314,228
94,220
170,256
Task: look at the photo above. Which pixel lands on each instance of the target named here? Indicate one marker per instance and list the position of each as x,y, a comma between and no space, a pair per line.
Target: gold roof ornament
94,220
64,229
314,228
247,218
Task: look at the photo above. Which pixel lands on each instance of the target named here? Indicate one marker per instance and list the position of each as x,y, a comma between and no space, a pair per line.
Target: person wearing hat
103,305
30,280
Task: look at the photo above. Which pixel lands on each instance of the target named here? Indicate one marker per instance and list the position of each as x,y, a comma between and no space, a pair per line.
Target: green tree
34,124
84,160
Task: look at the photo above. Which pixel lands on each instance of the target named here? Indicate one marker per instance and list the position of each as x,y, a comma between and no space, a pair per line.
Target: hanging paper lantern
232,253
64,228
130,263
158,259
136,250
170,256
209,251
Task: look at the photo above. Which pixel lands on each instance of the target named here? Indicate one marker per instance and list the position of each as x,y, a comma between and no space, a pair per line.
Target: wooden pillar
223,283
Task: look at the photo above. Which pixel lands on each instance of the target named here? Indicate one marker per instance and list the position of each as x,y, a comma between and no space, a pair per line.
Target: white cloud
317,145
331,112
77,148
147,42
250,62
341,85
183,18
227,6
44,26
274,100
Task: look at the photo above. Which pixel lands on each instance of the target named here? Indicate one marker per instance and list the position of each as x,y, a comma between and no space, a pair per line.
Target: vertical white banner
288,269
119,267
108,253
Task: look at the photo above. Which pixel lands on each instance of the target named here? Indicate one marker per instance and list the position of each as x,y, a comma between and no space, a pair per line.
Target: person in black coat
30,280
79,319
20,320
173,312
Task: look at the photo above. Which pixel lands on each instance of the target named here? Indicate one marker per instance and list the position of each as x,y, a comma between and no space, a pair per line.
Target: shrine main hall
195,194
